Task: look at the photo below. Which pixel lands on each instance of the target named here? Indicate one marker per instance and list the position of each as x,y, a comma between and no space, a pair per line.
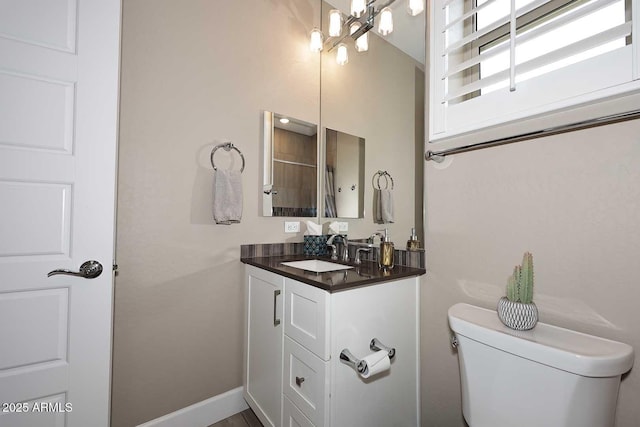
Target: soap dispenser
385,260
413,243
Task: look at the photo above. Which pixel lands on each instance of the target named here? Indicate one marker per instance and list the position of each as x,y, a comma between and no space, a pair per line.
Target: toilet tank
545,377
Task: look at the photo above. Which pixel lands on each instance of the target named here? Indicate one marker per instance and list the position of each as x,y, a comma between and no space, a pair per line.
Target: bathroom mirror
377,96
343,189
290,166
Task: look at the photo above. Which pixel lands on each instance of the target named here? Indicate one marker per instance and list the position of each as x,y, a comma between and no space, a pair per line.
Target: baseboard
205,413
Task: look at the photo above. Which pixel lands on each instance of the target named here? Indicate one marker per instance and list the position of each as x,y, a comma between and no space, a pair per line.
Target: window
495,62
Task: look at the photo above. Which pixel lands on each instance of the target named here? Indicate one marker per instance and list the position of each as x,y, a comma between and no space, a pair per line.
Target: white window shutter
497,62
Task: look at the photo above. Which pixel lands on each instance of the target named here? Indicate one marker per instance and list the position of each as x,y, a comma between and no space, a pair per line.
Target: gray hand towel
227,196
377,213
386,206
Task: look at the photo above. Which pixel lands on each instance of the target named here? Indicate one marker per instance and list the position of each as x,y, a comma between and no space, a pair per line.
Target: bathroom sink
316,265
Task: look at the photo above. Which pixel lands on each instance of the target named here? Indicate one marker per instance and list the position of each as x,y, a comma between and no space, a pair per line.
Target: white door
59,64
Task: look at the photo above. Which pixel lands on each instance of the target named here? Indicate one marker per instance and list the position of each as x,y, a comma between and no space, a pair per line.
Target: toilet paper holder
376,345
360,365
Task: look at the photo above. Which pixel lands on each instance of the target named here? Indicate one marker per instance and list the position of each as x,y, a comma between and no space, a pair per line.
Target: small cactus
520,283
511,288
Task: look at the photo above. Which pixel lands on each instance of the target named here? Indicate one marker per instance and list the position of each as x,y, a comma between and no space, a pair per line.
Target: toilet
545,377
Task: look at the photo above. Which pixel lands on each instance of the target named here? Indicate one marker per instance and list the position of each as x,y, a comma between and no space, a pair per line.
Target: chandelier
357,25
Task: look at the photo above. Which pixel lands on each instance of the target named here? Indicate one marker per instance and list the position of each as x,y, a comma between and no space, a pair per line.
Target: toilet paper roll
376,363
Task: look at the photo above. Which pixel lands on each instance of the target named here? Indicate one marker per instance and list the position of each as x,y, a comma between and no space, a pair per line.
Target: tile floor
243,419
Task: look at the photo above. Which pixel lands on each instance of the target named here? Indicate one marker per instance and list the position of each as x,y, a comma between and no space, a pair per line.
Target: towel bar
387,176
228,146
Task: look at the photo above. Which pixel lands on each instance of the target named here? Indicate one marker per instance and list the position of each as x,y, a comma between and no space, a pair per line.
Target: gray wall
194,72
572,200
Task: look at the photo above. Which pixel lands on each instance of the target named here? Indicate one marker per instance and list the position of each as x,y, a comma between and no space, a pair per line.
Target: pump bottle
385,260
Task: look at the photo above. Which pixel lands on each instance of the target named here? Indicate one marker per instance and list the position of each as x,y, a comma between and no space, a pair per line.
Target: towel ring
386,176
228,146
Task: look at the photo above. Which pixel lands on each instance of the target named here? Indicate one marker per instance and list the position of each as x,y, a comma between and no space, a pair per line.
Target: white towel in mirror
383,206
386,206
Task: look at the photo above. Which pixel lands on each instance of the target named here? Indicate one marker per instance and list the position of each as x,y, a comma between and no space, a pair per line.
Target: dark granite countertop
366,273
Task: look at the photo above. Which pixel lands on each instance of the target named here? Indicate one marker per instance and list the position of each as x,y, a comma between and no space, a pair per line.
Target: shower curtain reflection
330,194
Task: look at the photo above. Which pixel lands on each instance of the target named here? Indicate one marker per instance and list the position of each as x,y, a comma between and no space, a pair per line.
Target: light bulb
315,40
358,7
284,120
362,42
415,7
342,56
335,23
385,27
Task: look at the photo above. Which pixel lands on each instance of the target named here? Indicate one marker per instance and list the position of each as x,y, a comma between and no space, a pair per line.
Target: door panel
41,211
59,65
40,418
49,23
46,332
36,113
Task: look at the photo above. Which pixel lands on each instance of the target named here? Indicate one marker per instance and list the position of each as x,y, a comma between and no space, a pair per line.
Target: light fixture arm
366,23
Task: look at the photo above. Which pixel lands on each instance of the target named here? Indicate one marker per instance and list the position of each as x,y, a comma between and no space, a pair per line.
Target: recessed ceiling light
284,120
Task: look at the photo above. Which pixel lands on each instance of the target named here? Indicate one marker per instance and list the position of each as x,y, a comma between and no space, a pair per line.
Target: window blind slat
468,15
531,34
566,18
543,60
473,61
492,27
476,35
477,85
583,45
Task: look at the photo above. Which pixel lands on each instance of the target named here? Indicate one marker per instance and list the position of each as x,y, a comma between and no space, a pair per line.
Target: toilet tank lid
571,351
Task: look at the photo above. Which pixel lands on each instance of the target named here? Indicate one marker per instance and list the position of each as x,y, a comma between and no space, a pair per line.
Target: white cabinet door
389,312
307,316
293,417
263,345
58,131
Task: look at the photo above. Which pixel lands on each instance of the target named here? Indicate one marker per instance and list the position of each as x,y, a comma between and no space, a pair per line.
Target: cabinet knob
299,381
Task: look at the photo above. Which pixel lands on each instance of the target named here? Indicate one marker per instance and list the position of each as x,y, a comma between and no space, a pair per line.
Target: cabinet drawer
306,316
292,416
306,381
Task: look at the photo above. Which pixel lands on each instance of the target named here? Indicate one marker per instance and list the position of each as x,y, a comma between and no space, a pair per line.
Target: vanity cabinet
263,345
293,372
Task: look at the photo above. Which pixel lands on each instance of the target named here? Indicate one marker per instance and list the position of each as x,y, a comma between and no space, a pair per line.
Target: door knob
88,270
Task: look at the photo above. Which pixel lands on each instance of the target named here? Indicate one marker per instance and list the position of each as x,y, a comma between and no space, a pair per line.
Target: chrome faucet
345,248
334,250
359,251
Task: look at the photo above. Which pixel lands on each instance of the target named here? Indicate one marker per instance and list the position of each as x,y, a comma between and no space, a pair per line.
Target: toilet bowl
545,377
